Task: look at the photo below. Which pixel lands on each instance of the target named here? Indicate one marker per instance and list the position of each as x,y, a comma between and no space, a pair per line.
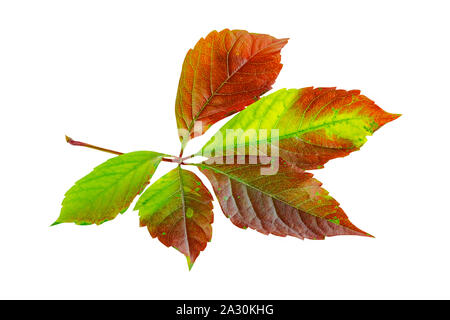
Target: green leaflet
177,209
306,126
109,188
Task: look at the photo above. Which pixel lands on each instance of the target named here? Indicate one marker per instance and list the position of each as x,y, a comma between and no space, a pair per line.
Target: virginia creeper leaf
109,188
177,209
291,202
225,72
313,125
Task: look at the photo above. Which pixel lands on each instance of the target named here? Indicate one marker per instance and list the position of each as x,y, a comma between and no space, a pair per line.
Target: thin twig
87,145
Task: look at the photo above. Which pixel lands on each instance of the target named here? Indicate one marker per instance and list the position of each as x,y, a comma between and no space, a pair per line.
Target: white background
106,72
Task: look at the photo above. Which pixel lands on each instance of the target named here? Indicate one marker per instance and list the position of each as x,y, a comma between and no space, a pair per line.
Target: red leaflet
291,202
224,73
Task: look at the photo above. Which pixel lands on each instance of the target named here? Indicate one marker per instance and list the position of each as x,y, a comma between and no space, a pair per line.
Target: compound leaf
225,72
109,189
177,209
306,127
291,202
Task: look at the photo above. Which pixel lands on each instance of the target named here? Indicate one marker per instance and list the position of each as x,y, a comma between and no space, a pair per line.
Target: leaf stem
174,160
188,157
87,145
69,140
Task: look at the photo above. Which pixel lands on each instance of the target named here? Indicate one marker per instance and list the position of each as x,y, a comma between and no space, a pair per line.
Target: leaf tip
394,116
54,223
189,263
388,117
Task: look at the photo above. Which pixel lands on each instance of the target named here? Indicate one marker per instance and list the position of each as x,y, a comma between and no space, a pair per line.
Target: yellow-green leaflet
177,209
306,127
